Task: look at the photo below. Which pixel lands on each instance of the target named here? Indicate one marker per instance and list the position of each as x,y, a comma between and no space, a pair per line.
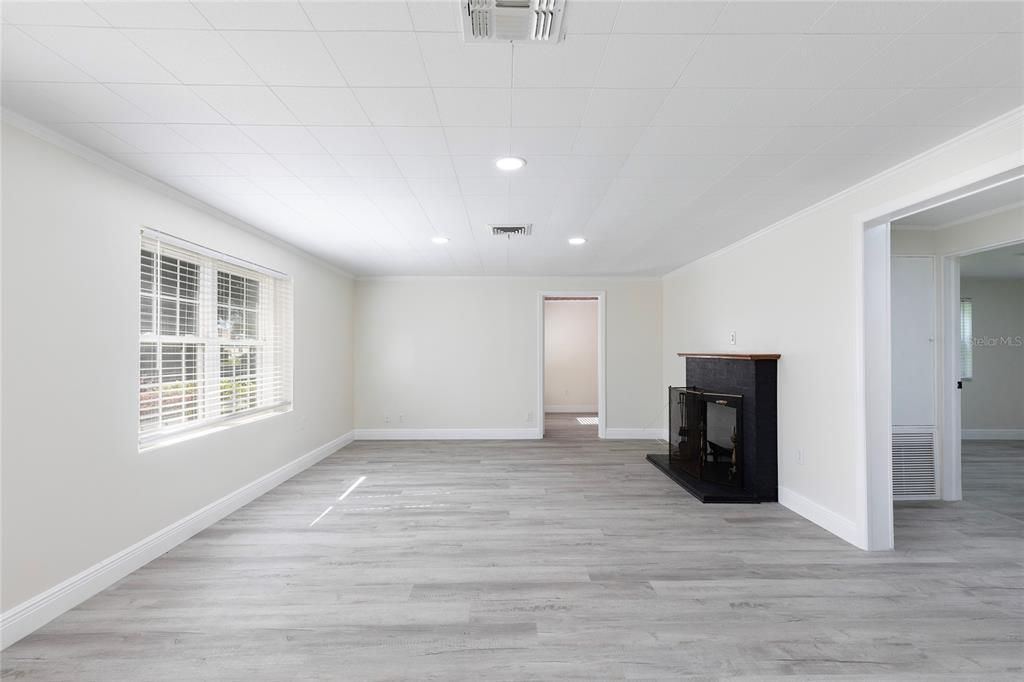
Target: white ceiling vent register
512,20
510,230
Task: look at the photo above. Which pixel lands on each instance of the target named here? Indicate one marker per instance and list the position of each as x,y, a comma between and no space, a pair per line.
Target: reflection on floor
567,426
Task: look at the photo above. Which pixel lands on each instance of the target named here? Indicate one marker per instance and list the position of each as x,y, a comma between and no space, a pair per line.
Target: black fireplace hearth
722,429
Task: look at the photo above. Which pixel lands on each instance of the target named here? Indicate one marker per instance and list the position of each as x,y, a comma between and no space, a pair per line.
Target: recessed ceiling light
577,241
510,163
439,240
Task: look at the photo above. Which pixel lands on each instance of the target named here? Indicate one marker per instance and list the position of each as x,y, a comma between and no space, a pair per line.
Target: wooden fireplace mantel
732,356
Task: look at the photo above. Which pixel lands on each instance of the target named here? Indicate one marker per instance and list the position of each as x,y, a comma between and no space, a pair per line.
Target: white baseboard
447,434
36,612
635,434
570,408
992,434
815,513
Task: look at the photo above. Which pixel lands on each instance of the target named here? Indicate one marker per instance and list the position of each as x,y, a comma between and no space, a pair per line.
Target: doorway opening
916,351
571,365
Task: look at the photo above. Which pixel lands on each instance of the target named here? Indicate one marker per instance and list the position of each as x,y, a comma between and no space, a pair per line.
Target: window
966,338
214,338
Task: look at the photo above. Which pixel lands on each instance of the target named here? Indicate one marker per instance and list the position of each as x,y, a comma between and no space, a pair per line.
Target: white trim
561,409
446,434
36,612
602,388
993,434
636,434
948,395
819,515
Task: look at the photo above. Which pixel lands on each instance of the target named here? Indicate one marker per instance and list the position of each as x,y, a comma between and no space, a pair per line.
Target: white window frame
966,339
273,342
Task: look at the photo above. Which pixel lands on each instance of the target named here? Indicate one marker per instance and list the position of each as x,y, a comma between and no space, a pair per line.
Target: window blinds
214,338
966,338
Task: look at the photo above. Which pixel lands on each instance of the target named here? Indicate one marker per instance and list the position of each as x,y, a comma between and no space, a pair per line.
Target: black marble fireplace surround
754,377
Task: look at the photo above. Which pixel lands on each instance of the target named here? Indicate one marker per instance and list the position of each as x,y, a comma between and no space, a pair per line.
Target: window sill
222,425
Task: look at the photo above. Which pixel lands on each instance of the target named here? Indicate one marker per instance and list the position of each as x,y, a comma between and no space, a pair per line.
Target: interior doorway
953,438
571,391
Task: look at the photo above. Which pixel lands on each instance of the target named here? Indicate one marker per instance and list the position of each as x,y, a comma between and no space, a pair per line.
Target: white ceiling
1007,262
989,201
660,131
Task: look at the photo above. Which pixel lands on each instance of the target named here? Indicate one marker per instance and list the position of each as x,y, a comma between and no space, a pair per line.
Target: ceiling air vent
515,20
510,230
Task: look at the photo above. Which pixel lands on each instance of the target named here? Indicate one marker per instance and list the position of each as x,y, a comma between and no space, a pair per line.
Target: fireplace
722,429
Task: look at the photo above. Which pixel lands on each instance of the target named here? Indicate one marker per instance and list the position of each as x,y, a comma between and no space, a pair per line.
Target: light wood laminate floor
560,559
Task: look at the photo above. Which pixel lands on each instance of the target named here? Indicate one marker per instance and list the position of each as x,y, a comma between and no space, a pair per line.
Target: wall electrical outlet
529,416
387,419
401,419
799,456
732,338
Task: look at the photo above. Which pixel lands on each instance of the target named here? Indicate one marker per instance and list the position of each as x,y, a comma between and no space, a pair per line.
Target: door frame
874,374
601,374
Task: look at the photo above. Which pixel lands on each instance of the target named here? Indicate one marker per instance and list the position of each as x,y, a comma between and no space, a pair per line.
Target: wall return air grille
914,470
512,20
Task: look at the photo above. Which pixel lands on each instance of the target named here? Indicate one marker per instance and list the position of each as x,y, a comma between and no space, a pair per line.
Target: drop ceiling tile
92,135
435,16
702,140
849,107
736,61
103,53
819,61
398,106
286,57
323,106
253,165
530,141
476,167
425,166
311,165
231,185
592,17
168,103
700,106
1000,60
769,17
165,165
988,104
378,59
474,106
150,14
774,107
570,64
25,59
283,139
282,186
427,190
763,165
645,61
246,104
548,107
384,188
349,140
691,167
484,186
150,137
972,16
57,13
871,17
921,106
333,186
225,139
452,63
280,15
195,56
408,140
616,107
592,166
647,17
369,166
620,140
899,140
359,16
70,103
479,141
800,139
912,59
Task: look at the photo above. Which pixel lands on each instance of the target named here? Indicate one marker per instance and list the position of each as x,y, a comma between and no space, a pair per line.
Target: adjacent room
511,340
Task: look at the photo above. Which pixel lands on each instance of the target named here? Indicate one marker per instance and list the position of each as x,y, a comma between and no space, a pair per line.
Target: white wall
796,289
461,352
75,488
994,398
570,356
